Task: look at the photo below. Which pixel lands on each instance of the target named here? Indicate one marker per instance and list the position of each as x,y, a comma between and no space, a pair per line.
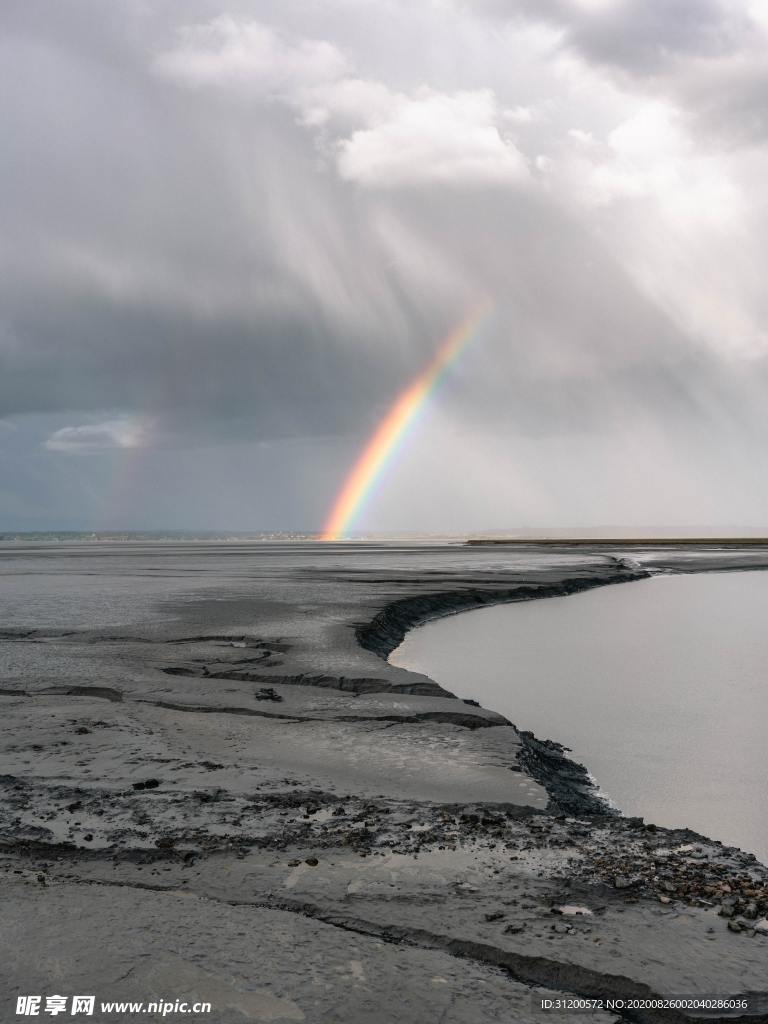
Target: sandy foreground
229,795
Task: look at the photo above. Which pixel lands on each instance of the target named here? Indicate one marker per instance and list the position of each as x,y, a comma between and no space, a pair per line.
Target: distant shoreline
635,542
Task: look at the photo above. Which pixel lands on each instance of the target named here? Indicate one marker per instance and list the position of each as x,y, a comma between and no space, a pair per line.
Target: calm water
660,687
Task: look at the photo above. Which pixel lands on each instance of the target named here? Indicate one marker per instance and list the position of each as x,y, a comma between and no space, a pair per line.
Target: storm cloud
233,232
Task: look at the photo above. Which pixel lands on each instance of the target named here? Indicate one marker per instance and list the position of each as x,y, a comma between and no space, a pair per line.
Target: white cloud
678,218
380,137
347,101
519,115
648,156
434,137
98,437
250,56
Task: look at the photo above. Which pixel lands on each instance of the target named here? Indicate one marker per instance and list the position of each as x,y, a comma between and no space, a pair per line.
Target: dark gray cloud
640,36
708,56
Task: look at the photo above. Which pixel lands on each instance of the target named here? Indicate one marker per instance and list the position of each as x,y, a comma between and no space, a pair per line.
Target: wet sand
215,785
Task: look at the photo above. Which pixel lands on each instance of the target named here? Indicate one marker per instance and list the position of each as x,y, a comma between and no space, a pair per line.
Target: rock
725,910
88,837
735,926
497,915
146,784
514,929
268,693
293,863
165,843
750,911
624,882
664,899
82,731
312,861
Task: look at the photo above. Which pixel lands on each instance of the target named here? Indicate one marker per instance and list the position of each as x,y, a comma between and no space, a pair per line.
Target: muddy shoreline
568,783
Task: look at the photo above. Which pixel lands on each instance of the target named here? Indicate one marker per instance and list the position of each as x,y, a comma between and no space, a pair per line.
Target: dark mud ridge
387,630
568,783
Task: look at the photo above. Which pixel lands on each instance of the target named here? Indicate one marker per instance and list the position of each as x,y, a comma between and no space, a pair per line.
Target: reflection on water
660,687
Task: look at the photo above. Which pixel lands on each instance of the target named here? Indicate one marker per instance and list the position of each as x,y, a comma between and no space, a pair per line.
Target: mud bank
387,630
568,783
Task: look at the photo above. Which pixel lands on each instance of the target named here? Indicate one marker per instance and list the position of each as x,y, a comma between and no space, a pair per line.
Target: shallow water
660,687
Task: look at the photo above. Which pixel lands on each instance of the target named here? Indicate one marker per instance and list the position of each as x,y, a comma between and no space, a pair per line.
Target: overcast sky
232,232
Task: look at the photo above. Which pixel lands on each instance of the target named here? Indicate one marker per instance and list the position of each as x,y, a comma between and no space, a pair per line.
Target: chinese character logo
28,1006
83,1004
55,1004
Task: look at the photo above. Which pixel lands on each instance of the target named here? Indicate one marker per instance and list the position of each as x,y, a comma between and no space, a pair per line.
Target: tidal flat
215,786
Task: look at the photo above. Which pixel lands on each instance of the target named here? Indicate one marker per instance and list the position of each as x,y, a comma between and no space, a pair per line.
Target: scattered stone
267,693
312,861
146,784
624,882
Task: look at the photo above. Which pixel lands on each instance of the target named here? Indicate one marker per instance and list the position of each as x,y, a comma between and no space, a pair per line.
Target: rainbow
389,435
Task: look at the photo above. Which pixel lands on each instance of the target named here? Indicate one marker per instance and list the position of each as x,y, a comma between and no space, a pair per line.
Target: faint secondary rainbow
391,432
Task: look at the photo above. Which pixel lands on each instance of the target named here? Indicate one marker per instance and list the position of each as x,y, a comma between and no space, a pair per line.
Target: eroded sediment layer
228,761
